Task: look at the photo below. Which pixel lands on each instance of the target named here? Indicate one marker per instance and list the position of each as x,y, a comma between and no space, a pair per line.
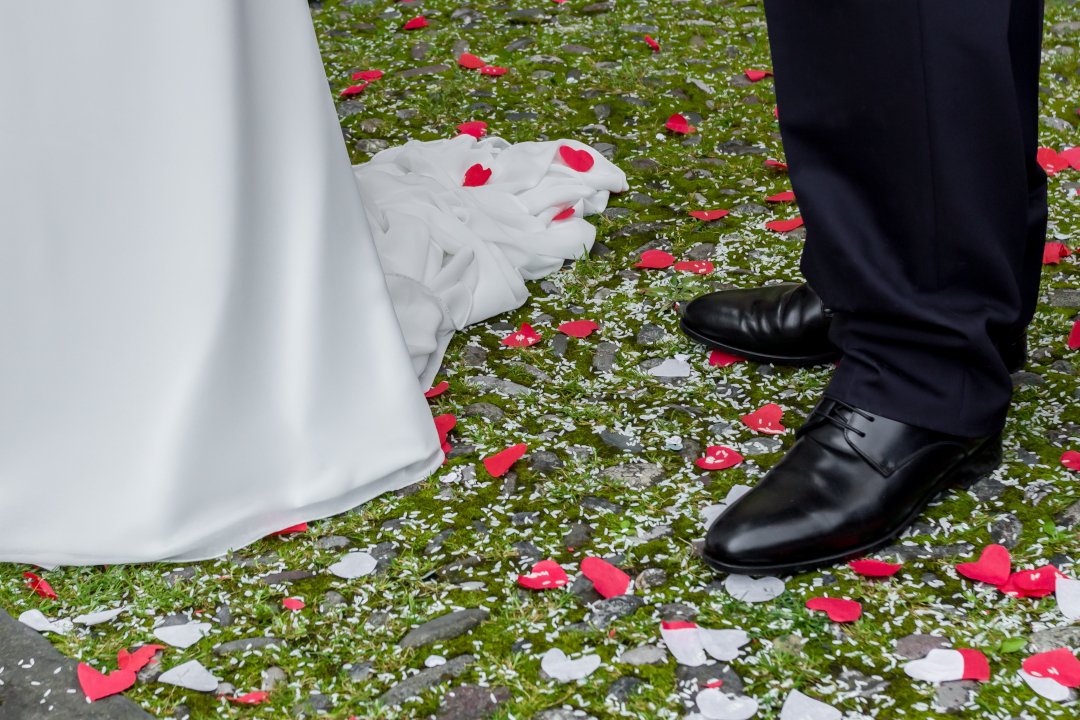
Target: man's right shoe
785,324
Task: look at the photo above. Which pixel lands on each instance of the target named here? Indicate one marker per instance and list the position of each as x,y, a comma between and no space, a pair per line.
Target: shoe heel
979,464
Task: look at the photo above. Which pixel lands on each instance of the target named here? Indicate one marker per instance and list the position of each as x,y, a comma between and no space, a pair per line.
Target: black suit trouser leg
910,129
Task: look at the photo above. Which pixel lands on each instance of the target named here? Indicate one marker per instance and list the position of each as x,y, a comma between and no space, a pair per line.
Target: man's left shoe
851,483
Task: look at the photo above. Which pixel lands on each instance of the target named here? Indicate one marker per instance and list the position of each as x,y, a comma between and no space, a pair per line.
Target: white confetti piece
191,675
1049,688
715,704
354,565
98,617
182,636
36,619
803,707
559,667
748,589
723,644
939,665
675,367
1067,592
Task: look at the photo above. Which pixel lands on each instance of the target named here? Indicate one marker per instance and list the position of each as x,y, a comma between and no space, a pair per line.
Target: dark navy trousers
910,130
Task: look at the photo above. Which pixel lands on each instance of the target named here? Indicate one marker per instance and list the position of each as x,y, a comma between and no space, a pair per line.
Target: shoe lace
831,417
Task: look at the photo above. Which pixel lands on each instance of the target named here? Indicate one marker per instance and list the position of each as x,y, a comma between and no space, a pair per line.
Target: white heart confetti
36,619
715,704
182,636
723,644
748,589
559,667
803,707
684,642
675,367
1049,688
354,565
191,675
939,665
99,617
1067,592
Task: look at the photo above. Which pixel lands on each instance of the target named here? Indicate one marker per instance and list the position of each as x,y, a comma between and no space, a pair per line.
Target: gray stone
955,694
497,384
593,502
1005,530
486,410
563,714
179,575
621,689
604,357
604,612
579,534
245,644
425,70
314,704
860,684
435,544
330,600
917,645
677,612
360,672
650,334
559,345
520,43
620,441
1070,516
650,578
286,576
761,446
333,542
426,679
544,461
272,677
583,589
419,51
445,627
644,655
473,356
1064,298
528,16
642,228
1027,379
472,702
371,145
1054,638
930,552
988,489
527,551
699,677
634,475
223,614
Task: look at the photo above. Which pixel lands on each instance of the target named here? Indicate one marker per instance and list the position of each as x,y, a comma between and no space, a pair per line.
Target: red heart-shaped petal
1072,155
476,128
1037,582
655,260
698,267
298,528
784,225
719,358
708,215
679,124
1053,252
1051,161
545,575
993,566
39,585
718,457
755,75
444,424
1074,336
137,660
293,603
608,580
368,75
776,165
766,419
564,214
524,337
580,160
1060,665
476,176
468,60
578,328
437,390
96,686
652,43
498,464
788,196
869,567
353,90
494,70
976,666
838,609
1071,459
251,698
416,23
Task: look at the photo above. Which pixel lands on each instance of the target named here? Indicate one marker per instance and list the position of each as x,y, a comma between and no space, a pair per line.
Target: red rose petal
498,464
719,457
476,128
493,70
1053,252
39,585
976,666
545,575
251,698
1074,336
353,90
993,566
678,124
579,328
756,75
838,609
719,358
874,568
96,686
776,165
708,215
524,337
564,214
137,660
698,267
444,424
652,43
468,60
787,196
1060,665
785,225
293,603
1051,161
580,160
298,528
766,419
1037,582
1072,156
608,580
437,390
476,176
1071,459
416,23
655,260
368,75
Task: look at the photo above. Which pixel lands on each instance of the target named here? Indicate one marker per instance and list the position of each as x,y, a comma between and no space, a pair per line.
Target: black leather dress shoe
851,483
784,324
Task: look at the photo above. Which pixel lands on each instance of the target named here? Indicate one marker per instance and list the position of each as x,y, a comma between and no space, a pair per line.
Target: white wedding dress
198,292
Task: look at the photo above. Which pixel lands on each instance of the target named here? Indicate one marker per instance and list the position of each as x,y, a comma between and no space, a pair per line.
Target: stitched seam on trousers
929,147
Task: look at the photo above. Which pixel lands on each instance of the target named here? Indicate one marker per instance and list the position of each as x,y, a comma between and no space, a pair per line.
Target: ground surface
610,468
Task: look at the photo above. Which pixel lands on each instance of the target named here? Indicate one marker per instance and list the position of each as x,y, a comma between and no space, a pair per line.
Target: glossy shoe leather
785,324
851,483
